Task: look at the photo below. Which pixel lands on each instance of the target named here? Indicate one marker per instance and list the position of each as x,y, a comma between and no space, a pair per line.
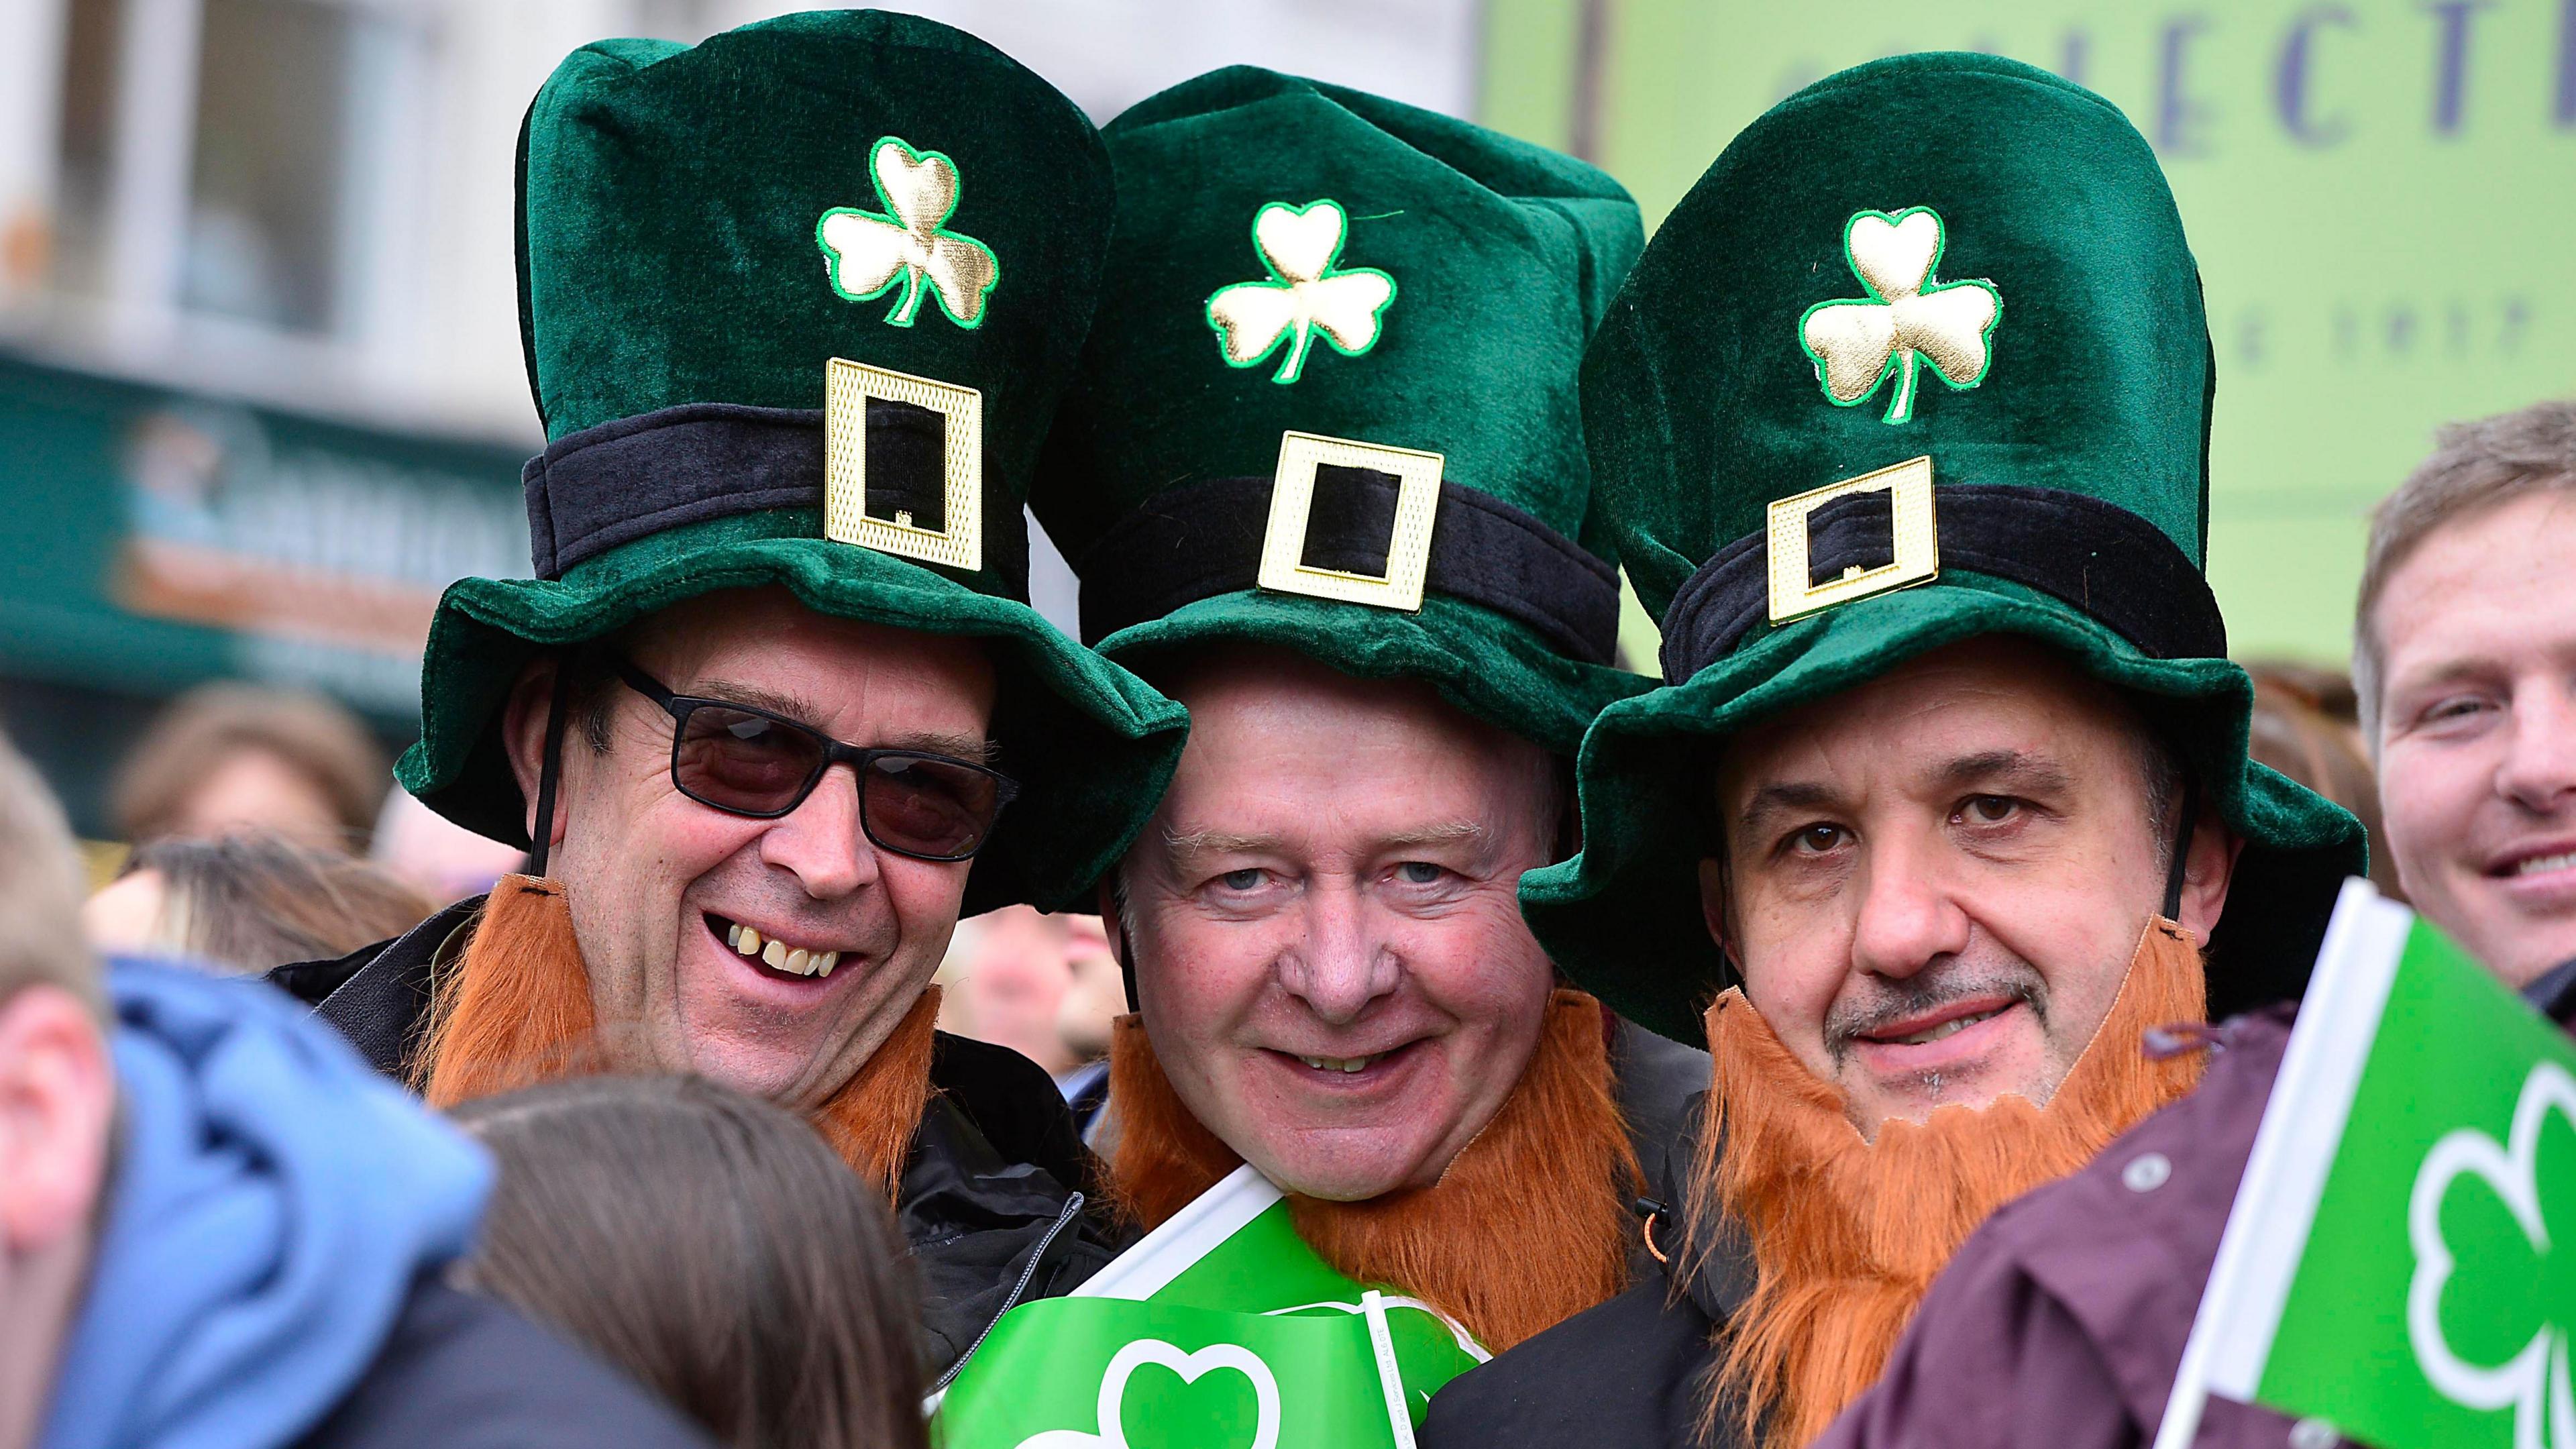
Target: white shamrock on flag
1908,318
1122,1366
909,243
2534,1381
1306,294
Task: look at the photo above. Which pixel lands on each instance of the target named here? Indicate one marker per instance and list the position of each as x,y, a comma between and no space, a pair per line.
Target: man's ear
523,735
2207,871
57,1097
1712,902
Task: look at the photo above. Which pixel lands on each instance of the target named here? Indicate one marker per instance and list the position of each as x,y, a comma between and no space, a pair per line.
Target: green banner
2388,1266
1221,1330
2378,192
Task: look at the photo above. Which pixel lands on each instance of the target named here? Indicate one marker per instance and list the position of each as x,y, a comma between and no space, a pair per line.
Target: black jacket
1627,1372
467,1372
999,1198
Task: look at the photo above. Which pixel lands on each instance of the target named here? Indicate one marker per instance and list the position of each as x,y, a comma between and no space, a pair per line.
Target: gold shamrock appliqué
1306,296
870,253
1908,319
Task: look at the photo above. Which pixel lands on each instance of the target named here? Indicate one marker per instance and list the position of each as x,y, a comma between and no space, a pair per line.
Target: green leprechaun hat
797,304
1329,400
1922,357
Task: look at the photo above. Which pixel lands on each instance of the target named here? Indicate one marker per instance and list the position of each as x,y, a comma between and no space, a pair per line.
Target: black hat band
2112,564
1204,539
592,490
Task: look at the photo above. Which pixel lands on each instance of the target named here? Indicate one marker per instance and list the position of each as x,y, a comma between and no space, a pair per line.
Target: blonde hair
2475,466
40,890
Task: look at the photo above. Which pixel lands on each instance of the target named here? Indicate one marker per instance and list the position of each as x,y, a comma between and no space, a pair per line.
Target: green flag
2388,1267
1221,1330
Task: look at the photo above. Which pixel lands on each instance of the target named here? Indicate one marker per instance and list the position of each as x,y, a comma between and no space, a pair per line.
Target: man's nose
2538,771
1339,965
1907,918
820,840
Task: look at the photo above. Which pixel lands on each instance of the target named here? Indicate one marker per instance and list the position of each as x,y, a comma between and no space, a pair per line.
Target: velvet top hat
797,304
1921,357
1329,400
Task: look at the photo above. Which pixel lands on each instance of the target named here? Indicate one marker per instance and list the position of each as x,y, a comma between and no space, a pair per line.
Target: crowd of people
1735,1059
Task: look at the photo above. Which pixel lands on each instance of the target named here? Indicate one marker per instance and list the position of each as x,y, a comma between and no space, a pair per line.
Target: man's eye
1241,880
2455,708
1816,839
1419,872
1990,809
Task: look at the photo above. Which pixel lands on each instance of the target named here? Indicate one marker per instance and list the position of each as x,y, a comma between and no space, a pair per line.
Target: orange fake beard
515,1010
1848,1234
1547,1181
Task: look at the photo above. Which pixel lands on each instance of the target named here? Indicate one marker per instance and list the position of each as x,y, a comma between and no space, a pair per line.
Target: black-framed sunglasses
746,761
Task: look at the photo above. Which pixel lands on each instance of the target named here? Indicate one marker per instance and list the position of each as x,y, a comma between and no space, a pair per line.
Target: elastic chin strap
542,838
2182,848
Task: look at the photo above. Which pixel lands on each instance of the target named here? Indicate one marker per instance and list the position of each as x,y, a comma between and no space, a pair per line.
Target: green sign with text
2380,194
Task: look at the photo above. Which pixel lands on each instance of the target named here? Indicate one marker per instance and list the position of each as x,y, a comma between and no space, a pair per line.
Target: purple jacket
2060,1323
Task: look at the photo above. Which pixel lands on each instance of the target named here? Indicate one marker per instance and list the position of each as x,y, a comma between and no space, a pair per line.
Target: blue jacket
267,1271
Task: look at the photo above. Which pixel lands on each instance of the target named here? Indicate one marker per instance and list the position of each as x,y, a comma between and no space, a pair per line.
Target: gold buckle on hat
847,386
1908,486
1292,498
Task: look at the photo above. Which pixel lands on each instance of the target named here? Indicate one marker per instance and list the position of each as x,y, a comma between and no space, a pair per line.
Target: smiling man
1313,497
1946,801
774,711
2464,661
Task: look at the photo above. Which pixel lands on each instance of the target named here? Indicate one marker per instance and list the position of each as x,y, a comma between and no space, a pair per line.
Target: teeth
1339,1064
779,955
1952,1027
2539,863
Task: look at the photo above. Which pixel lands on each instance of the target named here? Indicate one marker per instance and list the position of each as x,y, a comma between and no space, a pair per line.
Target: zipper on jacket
1072,1206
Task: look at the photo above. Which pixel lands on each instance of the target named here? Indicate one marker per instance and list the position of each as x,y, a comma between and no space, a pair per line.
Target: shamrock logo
1908,318
1136,1355
1306,293
908,243
2531,1378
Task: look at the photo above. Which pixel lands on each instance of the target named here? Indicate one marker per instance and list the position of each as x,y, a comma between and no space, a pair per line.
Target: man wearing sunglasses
774,712
1325,946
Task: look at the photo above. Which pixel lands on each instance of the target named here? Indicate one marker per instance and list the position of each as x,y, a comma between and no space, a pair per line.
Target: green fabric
1502,256
1702,405
670,252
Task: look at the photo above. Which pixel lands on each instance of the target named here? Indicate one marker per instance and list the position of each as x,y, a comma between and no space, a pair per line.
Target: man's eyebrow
804,711
1447,832
1217,842
973,748
1783,798
794,706
2019,769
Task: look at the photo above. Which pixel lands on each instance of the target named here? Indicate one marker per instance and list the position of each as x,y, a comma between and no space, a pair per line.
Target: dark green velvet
669,201
1504,255
1702,407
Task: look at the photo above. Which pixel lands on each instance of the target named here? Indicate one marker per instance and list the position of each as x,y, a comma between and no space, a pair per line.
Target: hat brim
1623,917
1091,745
1491,668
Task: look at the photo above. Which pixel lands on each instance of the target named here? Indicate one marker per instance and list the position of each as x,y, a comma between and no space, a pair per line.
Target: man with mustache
1899,424
774,710
1322,481
2466,621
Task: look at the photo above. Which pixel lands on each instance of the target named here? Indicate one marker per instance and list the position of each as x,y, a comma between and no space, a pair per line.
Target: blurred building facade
261,394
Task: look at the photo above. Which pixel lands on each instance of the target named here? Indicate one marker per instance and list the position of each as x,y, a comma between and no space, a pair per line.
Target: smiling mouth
2540,864
1936,1032
768,951
1345,1067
